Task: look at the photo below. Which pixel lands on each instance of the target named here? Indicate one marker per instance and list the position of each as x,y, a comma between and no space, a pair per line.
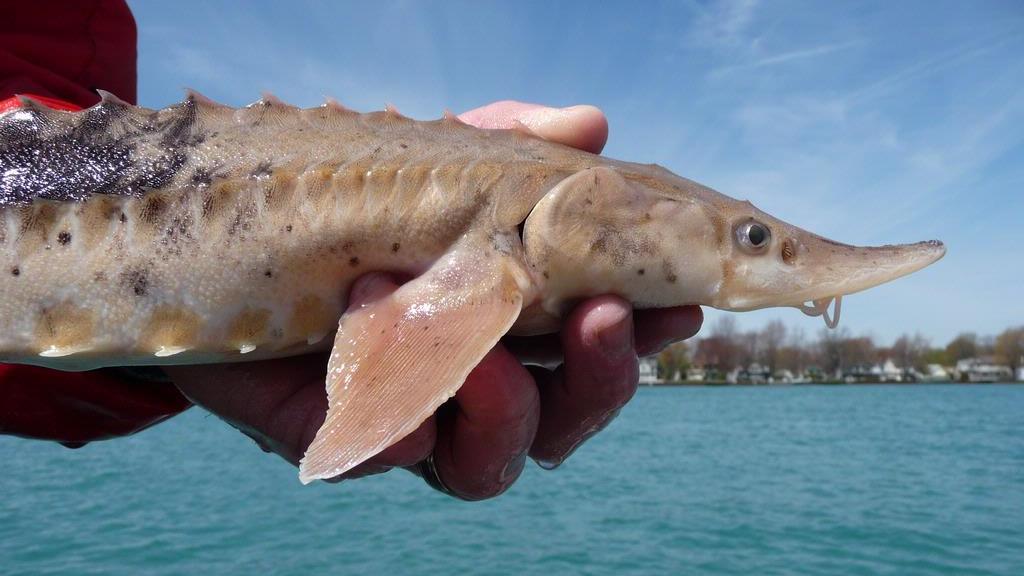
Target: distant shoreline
722,383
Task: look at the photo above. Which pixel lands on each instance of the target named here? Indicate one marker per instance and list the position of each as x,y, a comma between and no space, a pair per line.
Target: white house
982,370
695,374
649,371
935,373
887,371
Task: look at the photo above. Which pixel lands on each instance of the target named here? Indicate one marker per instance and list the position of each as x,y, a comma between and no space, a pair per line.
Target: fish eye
753,236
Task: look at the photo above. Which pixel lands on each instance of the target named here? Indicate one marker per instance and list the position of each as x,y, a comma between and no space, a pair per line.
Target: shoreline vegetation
724,383
777,355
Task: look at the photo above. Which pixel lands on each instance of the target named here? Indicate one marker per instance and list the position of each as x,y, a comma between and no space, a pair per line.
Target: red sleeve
79,407
66,49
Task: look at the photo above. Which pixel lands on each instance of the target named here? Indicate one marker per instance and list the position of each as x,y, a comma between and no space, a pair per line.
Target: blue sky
867,122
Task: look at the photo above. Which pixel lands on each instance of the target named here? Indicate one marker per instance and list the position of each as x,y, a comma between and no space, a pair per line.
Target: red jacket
66,49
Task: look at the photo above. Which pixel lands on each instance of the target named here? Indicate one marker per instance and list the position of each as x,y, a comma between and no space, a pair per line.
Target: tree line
777,347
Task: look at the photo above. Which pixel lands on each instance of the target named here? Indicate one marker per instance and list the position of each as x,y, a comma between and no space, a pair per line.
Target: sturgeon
202,233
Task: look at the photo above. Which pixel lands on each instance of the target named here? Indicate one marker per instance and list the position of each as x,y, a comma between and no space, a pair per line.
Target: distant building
649,371
887,371
984,369
935,373
861,373
783,377
874,373
754,374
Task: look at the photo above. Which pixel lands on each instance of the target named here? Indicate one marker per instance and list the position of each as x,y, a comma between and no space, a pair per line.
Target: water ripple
803,480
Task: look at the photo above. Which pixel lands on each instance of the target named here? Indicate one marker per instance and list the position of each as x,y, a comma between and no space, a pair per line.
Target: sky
872,122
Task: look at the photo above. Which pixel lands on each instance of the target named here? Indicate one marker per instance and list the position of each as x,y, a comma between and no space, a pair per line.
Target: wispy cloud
724,23
784,58
954,56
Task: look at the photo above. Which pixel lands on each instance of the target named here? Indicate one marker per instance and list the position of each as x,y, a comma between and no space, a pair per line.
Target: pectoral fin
396,360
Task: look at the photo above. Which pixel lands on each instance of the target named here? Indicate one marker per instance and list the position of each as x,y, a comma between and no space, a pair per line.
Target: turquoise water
801,480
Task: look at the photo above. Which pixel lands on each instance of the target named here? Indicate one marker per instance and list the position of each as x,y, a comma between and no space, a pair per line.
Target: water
802,480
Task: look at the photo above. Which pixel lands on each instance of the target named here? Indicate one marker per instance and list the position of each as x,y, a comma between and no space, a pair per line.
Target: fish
202,233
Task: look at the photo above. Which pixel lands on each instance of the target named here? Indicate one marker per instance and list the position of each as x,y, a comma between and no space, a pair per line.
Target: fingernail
556,461
549,464
614,332
259,440
589,432
511,472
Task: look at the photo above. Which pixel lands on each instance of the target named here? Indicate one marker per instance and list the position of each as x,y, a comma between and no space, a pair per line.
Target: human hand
479,442
75,408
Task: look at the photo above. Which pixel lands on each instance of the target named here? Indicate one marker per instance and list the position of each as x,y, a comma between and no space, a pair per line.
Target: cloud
724,23
785,58
955,56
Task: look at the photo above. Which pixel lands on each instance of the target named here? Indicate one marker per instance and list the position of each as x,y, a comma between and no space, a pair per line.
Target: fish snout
832,269
809,272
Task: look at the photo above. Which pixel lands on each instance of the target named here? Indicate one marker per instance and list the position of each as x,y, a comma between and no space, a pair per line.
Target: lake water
800,480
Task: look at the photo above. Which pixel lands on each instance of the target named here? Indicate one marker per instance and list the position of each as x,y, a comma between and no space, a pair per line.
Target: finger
482,443
584,127
599,376
281,403
369,288
657,328
274,402
407,452
78,407
654,329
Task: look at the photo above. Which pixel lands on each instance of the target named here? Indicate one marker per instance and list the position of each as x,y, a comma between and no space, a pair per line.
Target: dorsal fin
100,121
109,99
208,111
111,117
327,115
267,111
203,102
30,103
389,115
334,105
451,121
268,99
520,128
33,110
176,123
